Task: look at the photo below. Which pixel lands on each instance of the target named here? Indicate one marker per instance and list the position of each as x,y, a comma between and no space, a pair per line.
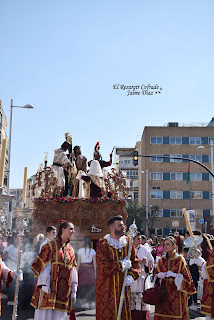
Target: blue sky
64,57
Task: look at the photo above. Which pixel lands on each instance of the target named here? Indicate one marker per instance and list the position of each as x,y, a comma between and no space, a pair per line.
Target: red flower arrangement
88,200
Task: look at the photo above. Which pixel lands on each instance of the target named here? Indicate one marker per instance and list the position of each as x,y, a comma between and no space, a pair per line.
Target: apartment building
167,184
125,163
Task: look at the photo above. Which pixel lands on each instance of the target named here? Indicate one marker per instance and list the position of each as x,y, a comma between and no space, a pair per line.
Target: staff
193,241
132,232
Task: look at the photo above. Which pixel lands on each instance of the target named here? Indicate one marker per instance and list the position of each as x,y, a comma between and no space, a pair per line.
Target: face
118,228
137,241
212,224
51,235
168,246
68,232
96,156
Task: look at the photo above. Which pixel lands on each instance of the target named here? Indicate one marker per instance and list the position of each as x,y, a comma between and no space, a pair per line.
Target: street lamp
27,106
211,153
147,199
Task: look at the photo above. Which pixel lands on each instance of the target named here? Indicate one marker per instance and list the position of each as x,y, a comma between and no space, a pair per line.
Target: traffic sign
201,221
175,223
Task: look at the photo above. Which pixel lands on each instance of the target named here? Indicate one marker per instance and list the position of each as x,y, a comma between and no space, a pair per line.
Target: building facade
124,162
173,184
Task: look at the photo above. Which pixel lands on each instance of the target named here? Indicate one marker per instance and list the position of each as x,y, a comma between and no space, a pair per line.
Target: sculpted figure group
73,178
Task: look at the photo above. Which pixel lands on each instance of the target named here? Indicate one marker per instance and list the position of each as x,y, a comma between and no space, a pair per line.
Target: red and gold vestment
62,260
110,280
175,304
207,303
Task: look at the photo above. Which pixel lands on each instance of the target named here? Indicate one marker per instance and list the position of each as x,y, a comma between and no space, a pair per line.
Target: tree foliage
136,212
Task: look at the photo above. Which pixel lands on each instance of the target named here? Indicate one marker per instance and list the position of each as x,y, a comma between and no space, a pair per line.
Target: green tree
136,212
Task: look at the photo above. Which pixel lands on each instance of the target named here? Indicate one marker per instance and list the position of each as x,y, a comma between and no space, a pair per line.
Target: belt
57,164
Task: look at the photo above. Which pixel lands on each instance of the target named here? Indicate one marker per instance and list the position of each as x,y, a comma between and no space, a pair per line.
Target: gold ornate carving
82,214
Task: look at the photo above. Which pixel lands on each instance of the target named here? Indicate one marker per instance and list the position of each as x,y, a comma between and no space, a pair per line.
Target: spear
132,232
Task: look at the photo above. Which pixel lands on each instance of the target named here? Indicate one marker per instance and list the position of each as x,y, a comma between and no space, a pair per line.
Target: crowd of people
65,279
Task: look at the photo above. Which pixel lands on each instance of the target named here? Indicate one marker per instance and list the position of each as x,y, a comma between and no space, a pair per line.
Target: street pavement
81,315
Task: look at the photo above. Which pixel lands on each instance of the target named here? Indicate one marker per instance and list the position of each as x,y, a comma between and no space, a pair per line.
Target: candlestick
187,222
24,186
2,162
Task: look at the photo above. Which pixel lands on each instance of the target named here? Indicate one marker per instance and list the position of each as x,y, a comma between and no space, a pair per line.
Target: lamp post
27,106
211,154
147,199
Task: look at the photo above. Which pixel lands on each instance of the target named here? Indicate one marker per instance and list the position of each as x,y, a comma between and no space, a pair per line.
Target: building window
156,176
158,213
121,162
175,140
199,213
210,194
176,213
176,176
159,231
156,194
131,174
210,158
194,140
156,231
195,176
175,230
176,194
211,138
175,156
196,195
156,159
196,157
127,161
156,140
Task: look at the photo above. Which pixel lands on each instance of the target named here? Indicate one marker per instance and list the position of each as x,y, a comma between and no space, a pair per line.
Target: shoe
10,303
85,305
193,307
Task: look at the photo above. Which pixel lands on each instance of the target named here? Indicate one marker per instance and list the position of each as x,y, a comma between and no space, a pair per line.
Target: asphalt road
81,315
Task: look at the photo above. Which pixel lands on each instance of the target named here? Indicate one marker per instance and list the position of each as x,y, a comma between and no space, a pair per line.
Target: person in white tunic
57,277
139,309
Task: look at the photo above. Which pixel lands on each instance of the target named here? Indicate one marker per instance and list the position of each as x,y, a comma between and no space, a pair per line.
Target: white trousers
49,314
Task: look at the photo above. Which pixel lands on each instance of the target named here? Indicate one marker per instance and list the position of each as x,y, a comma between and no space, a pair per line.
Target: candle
187,222
24,186
2,162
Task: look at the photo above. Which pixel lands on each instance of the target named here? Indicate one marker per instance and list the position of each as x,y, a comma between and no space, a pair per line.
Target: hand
170,274
144,260
161,275
18,274
126,264
46,289
73,296
128,281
